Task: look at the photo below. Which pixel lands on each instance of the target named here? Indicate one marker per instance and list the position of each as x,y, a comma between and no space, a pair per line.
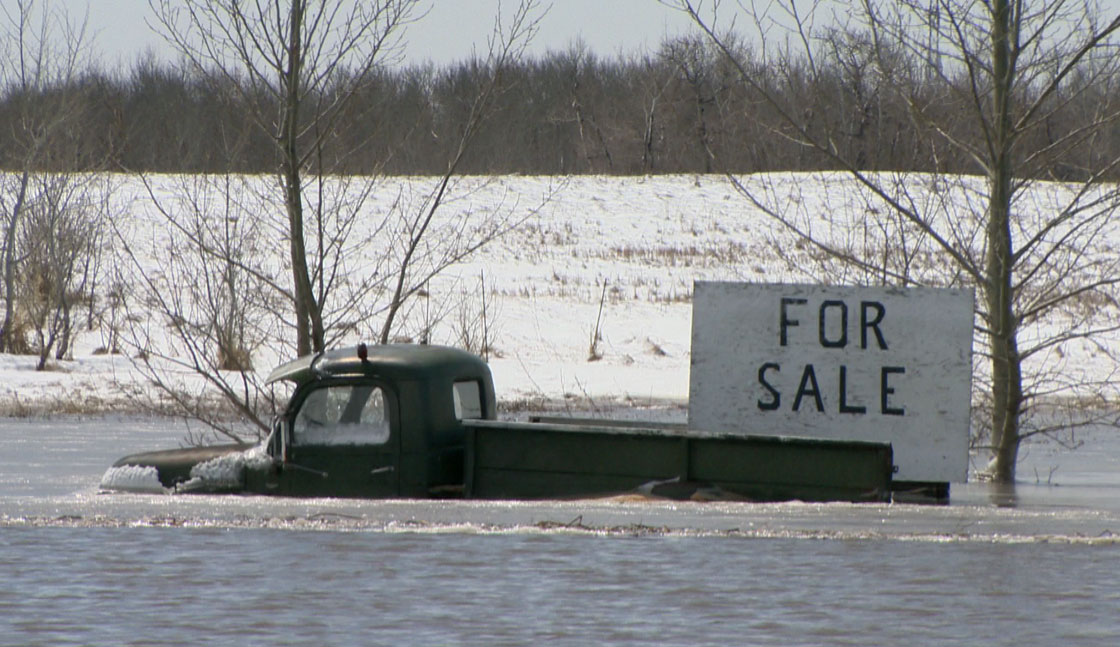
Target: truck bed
537,460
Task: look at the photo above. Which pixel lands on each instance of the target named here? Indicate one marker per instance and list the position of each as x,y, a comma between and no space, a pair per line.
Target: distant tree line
681,109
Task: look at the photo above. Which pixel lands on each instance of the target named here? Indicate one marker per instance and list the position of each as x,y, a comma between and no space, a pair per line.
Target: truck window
342,414
468,400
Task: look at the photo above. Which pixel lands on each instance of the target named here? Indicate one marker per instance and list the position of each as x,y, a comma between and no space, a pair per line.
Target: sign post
849,363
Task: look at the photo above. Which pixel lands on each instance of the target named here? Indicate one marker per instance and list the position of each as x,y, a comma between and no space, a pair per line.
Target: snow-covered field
613,254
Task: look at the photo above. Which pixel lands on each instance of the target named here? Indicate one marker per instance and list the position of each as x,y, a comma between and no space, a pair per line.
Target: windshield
342,414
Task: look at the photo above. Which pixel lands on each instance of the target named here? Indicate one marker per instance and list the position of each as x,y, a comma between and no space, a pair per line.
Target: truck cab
366,421
376,421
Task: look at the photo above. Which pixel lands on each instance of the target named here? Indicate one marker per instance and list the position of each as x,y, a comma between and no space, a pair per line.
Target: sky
449,32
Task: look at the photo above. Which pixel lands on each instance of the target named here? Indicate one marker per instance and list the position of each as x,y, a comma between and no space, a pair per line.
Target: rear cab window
468,400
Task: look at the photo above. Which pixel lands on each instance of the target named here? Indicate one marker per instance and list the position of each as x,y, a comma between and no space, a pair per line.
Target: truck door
344,442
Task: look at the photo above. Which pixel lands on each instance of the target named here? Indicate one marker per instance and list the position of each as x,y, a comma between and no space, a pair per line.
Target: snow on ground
613,254
87,382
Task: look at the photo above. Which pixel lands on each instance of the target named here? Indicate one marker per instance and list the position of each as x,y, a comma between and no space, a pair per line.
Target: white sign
850,363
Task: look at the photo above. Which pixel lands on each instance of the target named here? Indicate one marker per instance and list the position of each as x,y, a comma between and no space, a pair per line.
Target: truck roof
391,361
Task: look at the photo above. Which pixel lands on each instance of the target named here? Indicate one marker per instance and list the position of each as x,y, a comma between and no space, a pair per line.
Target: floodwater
82,568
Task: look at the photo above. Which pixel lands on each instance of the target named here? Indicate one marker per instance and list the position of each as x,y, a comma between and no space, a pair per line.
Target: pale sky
447,33
450,31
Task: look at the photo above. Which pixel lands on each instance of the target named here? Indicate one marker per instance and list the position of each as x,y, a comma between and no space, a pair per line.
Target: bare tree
652,81
60,243
580,67
1008,70
693,61
294,68
507,45
201,267
355,255
41,52
297,68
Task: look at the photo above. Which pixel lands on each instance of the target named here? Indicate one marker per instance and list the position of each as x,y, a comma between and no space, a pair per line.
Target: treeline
681,109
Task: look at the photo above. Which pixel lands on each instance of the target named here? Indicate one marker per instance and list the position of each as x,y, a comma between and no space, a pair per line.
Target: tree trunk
309,319
647,139
1007,382
10,264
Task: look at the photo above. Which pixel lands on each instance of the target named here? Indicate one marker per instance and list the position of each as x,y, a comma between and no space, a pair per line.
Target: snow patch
225,472
132,478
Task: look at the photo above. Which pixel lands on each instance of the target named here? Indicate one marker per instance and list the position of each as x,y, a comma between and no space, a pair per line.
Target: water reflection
1002,495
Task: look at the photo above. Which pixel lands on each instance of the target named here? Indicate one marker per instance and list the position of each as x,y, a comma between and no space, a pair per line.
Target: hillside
613,254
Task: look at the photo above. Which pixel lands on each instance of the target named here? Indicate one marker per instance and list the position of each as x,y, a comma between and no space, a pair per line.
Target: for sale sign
853,363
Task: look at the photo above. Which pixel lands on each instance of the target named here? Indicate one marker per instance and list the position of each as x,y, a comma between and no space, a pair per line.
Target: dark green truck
420,422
